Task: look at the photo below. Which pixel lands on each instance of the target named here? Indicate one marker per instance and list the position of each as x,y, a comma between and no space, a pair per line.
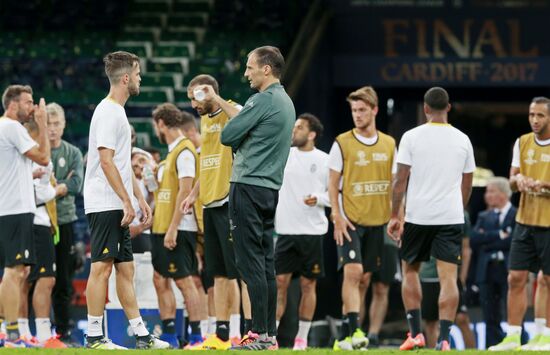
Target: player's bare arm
395,225
115,181
341,224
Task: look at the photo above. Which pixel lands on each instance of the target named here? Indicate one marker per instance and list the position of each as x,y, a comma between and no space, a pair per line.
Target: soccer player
361,163
109,186
437,160
174,234
530,250
301,223
69,173
42,274
212,190
17,203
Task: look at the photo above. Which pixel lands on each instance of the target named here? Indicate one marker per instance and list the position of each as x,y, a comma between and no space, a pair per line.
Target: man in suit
491,239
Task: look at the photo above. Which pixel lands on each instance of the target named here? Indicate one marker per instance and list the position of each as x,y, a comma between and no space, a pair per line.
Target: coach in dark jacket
491,238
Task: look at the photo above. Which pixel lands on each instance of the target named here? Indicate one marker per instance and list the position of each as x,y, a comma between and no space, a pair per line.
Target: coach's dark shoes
255,342
151,342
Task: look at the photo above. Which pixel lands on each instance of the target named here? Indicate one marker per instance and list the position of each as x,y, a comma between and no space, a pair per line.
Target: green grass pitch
211,352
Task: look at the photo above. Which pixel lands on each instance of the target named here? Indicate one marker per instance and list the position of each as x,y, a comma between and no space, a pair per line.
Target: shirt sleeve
470,164
404,154
322,196
20,138
107,131
515,155
186,164
236,130
335,161
74,183
394,162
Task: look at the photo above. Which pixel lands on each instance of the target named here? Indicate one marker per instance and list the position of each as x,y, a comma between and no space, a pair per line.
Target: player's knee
353,273
159,281
307,285
381,290
516,279
101,270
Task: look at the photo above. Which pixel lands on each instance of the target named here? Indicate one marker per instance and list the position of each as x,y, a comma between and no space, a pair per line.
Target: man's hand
209,93
310,200
341,226
129,214
61,190
170,238
187,204
38,172
525,184
395,229
40,115
147,214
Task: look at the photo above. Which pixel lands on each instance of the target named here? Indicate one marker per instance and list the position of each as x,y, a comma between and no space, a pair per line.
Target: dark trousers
63,289
251,214
492,297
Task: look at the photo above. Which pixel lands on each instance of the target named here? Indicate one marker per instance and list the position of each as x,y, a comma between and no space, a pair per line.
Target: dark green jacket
67,158
260,136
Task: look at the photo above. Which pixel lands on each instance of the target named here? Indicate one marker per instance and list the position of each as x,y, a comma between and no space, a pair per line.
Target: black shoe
374,342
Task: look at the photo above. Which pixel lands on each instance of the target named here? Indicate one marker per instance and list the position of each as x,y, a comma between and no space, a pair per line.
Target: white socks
235,326
95,326
277,322
43,329
514,330
204,327
540,324
138,327
24,329
303,329
211,325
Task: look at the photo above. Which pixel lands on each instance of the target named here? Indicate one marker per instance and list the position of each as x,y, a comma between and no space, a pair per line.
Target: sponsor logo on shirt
530,156
361,158
379,157
313,168
545,158
210,161
366,188
316,269
163,196
213,128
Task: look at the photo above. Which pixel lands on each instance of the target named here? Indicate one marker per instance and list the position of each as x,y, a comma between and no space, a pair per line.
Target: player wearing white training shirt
300,222
17,204
174,238
109,186
437,160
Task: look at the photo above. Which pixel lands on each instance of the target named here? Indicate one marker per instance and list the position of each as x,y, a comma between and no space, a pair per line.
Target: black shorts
443,242
300,253
108,239
206,280
430,300
389,265
141,243
530,249
17,239
45,253
179,262
366,247
219,253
